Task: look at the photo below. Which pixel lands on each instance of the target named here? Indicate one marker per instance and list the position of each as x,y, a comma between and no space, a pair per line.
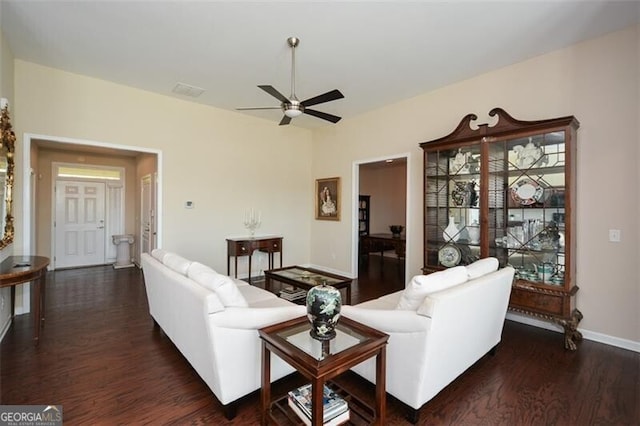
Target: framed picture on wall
328,199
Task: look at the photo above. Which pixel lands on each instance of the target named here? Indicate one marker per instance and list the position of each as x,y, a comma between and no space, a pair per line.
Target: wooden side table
15,270
245,246
321,361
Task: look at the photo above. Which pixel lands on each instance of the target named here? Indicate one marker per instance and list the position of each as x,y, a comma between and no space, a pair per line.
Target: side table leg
13,301
381,386
317,386
43,293
36,310
265,394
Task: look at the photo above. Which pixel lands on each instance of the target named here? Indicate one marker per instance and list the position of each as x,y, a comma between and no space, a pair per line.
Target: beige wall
387,186
597,81
225,162
44,189
6,91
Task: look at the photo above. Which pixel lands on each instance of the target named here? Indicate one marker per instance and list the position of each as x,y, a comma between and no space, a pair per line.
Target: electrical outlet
614,235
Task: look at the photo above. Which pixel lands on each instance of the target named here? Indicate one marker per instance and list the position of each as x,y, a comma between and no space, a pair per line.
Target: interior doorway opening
380,200
41,152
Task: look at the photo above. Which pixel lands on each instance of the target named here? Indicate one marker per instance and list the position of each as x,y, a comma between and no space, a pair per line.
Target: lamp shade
292,112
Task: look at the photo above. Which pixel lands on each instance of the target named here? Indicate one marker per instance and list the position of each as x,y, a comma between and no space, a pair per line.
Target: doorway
39,154
383,183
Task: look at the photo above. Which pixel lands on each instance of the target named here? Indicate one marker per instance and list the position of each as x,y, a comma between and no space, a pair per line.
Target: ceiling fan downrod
293,108
293,43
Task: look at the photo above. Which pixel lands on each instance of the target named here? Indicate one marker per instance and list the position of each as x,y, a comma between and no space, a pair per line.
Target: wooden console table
382,242
245,246
16,270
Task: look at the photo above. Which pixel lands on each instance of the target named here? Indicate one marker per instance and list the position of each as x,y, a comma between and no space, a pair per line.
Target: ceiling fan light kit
291,106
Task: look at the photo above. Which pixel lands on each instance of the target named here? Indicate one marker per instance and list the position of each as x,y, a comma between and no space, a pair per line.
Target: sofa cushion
422,285
482,267
176,263
253,294
426,307
159,254
222,285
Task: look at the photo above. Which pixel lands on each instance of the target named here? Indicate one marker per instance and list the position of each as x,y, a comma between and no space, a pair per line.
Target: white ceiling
375,53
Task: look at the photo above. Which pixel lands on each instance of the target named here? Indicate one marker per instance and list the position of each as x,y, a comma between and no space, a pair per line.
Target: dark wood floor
102,359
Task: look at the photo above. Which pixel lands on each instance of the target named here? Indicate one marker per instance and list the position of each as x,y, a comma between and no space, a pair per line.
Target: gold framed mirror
7,149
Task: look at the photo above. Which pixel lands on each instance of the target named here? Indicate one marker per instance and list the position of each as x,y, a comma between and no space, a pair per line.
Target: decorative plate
449,255
527,191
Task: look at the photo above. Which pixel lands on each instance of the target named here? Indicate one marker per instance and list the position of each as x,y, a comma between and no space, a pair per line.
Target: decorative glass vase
474,232
323,310
451,232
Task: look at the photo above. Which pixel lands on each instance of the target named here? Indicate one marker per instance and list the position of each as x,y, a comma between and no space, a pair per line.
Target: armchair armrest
255,318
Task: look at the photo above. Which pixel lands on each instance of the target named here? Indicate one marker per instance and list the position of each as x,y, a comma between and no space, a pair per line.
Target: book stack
292,294
336,410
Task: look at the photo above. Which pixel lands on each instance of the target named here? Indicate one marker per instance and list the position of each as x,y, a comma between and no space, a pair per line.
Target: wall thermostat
188,204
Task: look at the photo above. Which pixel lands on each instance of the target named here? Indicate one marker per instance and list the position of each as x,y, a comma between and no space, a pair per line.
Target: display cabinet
363,214
508,191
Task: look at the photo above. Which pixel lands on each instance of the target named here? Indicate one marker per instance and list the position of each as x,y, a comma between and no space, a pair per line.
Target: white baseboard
586,334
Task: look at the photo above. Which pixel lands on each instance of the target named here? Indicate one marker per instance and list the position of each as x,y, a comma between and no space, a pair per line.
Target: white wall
597,81
224,162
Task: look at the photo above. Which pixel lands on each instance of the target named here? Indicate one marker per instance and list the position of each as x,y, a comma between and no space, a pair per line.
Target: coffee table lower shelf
359,412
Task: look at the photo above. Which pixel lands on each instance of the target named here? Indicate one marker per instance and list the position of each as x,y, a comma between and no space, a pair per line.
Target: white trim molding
27,222
355,202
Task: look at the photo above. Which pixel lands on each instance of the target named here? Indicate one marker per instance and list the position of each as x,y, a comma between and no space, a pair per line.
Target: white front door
79,224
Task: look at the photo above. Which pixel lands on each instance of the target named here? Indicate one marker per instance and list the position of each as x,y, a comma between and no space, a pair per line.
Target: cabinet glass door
452,207
526,206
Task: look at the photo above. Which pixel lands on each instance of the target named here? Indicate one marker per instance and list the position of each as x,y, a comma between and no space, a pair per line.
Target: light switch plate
614,235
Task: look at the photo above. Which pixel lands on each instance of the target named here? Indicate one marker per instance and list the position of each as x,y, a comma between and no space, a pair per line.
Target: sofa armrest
389,321
255,318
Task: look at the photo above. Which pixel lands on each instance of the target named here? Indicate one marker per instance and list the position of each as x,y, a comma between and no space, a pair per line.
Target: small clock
449,255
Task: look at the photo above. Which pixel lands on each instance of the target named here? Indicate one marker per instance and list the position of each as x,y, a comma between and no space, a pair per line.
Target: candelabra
252,220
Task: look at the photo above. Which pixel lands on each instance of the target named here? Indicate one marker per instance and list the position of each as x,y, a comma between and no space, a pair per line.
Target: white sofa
214,320
438,327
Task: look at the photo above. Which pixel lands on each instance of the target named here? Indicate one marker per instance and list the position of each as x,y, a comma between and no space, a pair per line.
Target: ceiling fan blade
255,108
273,92
325,97
323,115
285,120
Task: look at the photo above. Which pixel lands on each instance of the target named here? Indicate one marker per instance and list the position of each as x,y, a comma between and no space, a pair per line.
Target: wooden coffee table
307,278
319,362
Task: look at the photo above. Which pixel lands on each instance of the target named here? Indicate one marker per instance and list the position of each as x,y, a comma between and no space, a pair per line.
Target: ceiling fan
291,106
